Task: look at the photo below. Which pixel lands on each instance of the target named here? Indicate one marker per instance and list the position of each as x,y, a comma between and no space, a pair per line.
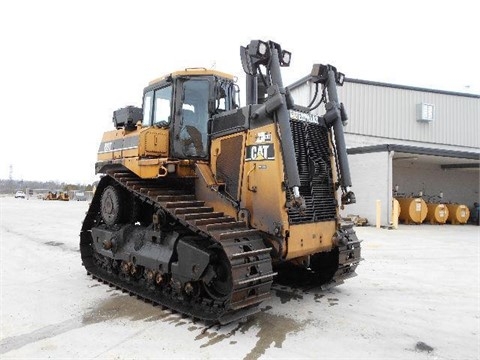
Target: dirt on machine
204,203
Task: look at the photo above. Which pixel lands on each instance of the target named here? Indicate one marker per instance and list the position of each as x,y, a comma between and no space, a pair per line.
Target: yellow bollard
395,213
379,213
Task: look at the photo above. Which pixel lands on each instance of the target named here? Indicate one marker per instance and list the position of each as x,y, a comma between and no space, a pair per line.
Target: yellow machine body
142,150
259,189
145,150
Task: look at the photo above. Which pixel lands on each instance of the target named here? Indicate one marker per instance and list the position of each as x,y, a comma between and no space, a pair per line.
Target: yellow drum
458,214
437,213
412,210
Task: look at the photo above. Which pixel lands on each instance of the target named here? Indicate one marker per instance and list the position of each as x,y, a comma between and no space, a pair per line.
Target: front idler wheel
219,285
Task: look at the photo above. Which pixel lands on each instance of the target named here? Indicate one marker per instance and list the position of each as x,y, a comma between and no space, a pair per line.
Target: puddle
286,296
272,329
123,307
28,236
54,243
332,301
215,336
115,307
421,346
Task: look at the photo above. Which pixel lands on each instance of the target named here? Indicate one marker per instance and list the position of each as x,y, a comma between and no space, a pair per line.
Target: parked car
79,196
20,194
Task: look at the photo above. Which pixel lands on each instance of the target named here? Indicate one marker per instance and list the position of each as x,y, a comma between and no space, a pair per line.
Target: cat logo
260,152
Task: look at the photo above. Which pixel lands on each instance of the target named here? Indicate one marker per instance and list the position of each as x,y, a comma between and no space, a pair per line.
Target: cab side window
157,107
222,98
147,108
162,106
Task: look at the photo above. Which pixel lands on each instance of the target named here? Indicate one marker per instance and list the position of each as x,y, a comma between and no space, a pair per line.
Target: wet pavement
416,296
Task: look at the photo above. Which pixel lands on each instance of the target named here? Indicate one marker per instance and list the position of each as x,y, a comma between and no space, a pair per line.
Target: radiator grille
313,152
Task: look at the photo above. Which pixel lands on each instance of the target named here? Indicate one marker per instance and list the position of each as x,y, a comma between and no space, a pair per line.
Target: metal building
405,140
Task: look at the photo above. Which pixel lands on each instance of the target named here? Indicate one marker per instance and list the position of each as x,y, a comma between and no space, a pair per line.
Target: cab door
191,119
157,115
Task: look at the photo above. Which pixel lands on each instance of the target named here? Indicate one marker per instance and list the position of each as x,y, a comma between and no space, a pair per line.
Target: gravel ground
416,297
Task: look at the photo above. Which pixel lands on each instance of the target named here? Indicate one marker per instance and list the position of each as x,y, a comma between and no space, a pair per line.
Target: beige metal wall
389,112
371,174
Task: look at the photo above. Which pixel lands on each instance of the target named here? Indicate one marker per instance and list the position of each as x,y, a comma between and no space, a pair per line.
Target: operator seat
193,135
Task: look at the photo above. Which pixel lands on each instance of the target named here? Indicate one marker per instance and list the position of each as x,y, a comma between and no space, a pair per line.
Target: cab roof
192,72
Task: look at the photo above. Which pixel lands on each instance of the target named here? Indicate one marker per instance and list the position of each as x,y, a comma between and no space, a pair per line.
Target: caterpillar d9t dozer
201,201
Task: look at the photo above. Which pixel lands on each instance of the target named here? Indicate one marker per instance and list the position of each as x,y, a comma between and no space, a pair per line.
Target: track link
248,258
348,257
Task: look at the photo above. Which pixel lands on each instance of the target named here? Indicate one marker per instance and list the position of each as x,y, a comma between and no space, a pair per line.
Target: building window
425,112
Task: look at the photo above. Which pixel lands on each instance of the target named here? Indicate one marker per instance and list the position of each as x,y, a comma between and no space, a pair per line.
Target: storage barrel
458,214
437,213
412,210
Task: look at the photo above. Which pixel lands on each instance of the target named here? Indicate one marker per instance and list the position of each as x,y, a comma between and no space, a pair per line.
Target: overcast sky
67,65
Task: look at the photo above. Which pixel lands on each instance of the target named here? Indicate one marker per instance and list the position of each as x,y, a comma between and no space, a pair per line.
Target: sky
67,65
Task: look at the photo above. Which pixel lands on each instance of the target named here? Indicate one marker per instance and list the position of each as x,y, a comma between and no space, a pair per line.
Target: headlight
258,49
285,57
262,48
340,78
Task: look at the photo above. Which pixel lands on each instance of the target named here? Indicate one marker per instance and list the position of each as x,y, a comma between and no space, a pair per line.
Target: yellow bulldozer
203,202
56,195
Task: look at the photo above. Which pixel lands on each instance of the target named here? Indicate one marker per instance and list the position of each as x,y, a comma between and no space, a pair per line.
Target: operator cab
184,102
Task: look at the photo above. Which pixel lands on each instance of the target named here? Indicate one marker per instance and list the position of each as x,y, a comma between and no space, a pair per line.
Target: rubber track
244,247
